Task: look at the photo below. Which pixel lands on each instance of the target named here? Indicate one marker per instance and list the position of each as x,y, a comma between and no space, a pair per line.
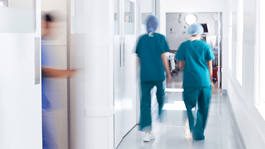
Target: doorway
176,33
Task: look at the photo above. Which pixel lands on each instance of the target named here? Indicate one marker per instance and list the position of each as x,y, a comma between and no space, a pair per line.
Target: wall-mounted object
215,16
205,28
171,31
180,18
191,18
17,16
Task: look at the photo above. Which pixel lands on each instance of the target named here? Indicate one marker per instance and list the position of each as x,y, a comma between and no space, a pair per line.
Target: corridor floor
174,133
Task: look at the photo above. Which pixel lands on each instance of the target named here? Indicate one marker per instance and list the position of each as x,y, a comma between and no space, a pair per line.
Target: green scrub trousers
145,105
203,96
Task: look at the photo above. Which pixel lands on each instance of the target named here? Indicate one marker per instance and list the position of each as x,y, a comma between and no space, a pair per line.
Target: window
259,60
73,16
239,40
230,39
116,17
3,3
147,8
129,17
260,55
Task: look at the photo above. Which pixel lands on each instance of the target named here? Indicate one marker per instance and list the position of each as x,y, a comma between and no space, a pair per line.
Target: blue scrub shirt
48,90
196,54
149,50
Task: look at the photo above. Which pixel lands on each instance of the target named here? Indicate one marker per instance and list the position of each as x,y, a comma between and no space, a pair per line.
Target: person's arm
165,63
209,63
181,64
56,73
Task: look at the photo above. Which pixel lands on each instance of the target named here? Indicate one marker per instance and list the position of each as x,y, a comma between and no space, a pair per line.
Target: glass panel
261,51
230,46
21,4
129,17
73,26
11,13
240,38
146,10
116,17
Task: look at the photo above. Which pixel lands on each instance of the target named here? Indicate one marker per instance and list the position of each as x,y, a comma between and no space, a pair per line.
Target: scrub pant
49,131
203,96
145,105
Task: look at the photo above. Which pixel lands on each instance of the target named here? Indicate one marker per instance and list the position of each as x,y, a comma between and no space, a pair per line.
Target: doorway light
191,18
1,3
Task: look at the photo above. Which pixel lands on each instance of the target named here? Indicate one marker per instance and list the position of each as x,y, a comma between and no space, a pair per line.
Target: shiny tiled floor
174,133
176,80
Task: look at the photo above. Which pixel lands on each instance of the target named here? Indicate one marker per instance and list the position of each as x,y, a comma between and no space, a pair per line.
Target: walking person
50,101
151,49
196,57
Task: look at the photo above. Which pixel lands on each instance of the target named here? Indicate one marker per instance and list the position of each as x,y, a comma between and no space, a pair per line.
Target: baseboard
240,139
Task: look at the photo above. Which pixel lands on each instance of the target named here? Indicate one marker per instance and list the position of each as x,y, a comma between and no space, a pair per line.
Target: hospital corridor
132,74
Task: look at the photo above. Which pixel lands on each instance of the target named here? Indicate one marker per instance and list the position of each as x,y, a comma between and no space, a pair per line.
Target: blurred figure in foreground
196,57
50,101
151,49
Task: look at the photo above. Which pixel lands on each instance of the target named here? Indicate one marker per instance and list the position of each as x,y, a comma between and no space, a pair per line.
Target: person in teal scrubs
196,57
151,49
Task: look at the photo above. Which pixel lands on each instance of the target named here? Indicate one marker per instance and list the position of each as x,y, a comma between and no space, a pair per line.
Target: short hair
52,16
47,17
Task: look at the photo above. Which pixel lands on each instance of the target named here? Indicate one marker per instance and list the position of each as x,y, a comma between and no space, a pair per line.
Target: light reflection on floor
177,105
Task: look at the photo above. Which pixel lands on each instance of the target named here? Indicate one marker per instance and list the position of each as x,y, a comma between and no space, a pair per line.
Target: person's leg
202,114
160,93
49,131
145,123
190,96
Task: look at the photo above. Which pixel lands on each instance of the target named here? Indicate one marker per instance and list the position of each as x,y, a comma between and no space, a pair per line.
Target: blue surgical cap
152,23
195,29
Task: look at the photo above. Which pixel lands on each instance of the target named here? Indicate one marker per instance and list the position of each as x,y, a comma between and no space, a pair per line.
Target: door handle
123,51
120,55
37,61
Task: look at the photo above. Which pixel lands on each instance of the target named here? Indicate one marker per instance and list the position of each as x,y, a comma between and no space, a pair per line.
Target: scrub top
149,50
49,86
196,54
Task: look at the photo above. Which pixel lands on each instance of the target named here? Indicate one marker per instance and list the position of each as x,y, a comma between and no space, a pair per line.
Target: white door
124,68
129,64
118,88
20,84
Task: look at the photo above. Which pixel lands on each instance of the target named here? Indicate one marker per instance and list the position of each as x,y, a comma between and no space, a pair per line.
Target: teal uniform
196,82
149,49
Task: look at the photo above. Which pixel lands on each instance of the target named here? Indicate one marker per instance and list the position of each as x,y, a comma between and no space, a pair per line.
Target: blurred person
151,49
50,101
196,57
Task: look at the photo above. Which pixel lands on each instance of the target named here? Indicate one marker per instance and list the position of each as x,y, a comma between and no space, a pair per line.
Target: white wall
20,98
189,6
59,45
98,74
177,37
250,122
